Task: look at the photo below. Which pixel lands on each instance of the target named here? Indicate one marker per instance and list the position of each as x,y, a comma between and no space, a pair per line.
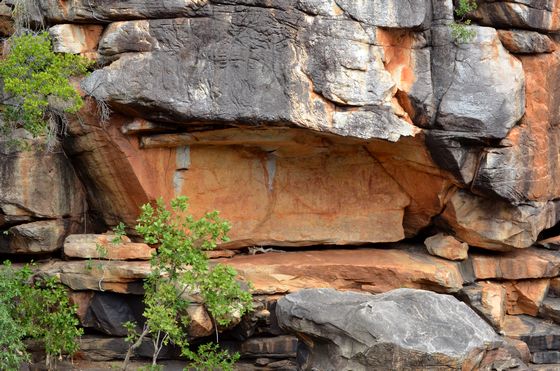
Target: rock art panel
286,187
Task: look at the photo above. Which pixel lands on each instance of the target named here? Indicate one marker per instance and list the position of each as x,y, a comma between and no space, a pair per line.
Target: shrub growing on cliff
459,31
37,89
181,269
34,308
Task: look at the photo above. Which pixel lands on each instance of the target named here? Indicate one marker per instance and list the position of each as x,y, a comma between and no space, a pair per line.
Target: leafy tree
37,85
459,31
36,308
180,269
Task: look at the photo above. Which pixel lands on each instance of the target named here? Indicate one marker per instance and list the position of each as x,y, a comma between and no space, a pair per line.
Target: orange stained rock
101,247
410,164
399,62
373,270
493,301
535,141
293,188
525,297
517,264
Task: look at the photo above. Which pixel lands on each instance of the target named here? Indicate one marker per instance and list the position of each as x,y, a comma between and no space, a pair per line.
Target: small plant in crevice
102,253
38,95
180,270
459,30
36,308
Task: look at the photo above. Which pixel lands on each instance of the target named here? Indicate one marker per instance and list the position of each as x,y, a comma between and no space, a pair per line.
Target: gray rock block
526,42
248,65
401,329
479,85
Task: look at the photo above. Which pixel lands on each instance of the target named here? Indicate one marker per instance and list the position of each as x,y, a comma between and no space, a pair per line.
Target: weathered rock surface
284,346
479,85
541,15
537,333
554,289
525,164
100,275
373,270
364,71
488,299
447,247
550,309
38,237
41,200
526,42
526,297
76,39
301,76
353,331
517,264
91,246
99,12
105,166
104,348
108,311
496,225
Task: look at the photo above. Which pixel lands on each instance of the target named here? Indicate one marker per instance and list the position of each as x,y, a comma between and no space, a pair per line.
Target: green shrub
37,89
35,308
180,269
459,30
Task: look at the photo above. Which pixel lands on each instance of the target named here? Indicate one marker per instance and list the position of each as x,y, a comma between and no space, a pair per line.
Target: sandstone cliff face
314,123
310,122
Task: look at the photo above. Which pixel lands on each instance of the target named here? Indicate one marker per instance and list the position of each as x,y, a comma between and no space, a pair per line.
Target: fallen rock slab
401,329
372,270
540,335
550,309
92,246
447,247
100,275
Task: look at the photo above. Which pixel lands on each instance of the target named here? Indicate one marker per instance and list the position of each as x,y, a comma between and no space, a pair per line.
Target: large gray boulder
252,65
399,330
480,87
